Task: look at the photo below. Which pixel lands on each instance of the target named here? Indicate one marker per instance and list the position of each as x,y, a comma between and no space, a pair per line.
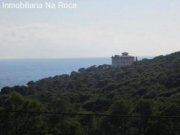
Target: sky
96,28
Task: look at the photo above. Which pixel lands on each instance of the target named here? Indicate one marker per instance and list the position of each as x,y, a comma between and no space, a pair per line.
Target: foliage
146,88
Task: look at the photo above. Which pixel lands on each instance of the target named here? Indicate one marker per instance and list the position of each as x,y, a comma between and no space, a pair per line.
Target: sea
21,71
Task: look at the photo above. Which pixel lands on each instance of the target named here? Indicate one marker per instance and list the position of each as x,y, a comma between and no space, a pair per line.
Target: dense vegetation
149,89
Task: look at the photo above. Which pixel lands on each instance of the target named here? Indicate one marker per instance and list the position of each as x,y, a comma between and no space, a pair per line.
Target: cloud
47,40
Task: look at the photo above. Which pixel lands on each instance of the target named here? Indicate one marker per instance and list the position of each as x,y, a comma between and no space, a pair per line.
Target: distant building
123,60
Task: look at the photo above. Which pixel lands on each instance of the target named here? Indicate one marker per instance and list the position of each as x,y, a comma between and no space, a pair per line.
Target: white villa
122,60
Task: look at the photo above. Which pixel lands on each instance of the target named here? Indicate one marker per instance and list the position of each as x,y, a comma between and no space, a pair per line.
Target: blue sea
21,71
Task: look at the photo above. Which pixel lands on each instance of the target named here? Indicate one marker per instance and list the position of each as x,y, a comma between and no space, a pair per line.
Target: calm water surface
19,72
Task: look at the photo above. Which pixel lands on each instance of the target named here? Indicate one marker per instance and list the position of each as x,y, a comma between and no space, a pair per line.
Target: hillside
158,77
148,87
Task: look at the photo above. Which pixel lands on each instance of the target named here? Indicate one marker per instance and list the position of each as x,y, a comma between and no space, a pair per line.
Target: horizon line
68,57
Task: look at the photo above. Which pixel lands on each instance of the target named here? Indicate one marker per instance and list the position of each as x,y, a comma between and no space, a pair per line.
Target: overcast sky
96,28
